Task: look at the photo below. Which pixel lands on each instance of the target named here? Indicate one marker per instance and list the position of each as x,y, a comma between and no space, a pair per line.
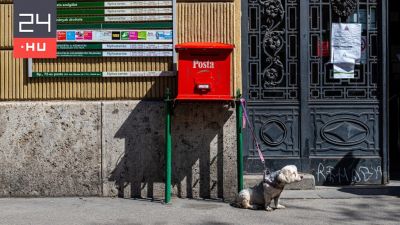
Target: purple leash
243,103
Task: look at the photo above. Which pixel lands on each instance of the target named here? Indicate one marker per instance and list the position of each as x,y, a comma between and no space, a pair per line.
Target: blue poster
70,35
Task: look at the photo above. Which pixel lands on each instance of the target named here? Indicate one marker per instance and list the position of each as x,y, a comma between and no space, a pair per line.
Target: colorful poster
133,35
168,35
88,35
116,35
124,35
142,35
61,36
160,35
70,35
79,35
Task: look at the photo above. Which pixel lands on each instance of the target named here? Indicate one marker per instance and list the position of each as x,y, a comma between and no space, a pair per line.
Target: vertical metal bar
239,140
385,90
304,86
245,46
168,146
245,63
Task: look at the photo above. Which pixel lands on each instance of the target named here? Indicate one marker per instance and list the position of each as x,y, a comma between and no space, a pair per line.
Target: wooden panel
237,57
6,29
15,84
212,22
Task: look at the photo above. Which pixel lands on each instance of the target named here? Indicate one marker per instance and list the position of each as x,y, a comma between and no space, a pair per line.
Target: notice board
113,29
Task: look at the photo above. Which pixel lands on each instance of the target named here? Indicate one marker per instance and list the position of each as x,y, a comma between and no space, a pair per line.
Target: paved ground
367,191
321,206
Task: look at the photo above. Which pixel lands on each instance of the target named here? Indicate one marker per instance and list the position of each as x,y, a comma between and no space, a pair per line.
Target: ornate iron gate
333,128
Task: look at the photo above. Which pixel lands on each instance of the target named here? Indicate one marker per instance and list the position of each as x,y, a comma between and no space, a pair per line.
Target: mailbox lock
203,87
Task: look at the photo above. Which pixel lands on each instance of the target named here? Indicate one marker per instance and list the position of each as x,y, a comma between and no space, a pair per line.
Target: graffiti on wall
328,174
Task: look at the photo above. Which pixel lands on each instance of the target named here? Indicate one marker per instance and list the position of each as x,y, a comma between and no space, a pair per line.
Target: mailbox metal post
204,75
239,140
168,146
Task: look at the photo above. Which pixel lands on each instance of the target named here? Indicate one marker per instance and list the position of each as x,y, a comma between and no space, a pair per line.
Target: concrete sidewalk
325,205
346,192
104,211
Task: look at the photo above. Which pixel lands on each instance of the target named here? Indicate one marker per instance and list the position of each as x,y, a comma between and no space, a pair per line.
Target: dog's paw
269,209
280,206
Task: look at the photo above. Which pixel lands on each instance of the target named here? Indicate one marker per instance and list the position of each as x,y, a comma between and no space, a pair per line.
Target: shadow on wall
198,151
349,170
343,172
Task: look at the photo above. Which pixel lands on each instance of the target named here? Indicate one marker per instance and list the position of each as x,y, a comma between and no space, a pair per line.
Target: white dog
270,188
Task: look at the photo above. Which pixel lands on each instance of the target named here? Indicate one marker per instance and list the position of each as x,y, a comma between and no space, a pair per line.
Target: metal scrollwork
273,74
273,41
344,8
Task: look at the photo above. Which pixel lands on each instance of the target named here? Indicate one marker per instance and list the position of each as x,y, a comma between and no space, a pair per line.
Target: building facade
98,136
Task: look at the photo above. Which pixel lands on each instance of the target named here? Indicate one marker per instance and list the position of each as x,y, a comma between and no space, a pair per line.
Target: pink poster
133,35
88,35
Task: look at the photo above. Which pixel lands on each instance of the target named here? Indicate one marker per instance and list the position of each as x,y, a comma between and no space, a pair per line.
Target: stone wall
50,149
115,149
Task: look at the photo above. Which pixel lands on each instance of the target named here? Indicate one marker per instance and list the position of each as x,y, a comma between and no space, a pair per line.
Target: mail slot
204,71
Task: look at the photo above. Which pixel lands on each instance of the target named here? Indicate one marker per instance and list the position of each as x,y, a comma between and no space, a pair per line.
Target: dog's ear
282,177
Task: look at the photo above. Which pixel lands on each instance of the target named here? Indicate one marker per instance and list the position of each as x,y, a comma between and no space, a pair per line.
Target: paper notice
346,49
346,43
343,71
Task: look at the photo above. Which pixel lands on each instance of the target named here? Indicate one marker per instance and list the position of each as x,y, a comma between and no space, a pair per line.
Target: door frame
385,92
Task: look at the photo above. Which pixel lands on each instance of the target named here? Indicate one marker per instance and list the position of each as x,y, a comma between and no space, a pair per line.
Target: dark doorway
394,90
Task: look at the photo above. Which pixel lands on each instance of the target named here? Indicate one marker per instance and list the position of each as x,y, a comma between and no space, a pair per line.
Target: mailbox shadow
197,155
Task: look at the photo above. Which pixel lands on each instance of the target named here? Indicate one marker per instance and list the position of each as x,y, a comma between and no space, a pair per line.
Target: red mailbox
204,71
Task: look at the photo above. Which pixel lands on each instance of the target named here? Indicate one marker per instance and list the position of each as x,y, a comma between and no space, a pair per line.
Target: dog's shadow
197,156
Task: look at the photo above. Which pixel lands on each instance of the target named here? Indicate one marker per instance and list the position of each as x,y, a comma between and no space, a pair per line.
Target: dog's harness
270,180
260,155
274,184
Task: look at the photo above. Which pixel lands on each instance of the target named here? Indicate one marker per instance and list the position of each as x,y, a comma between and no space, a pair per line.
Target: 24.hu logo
35,33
